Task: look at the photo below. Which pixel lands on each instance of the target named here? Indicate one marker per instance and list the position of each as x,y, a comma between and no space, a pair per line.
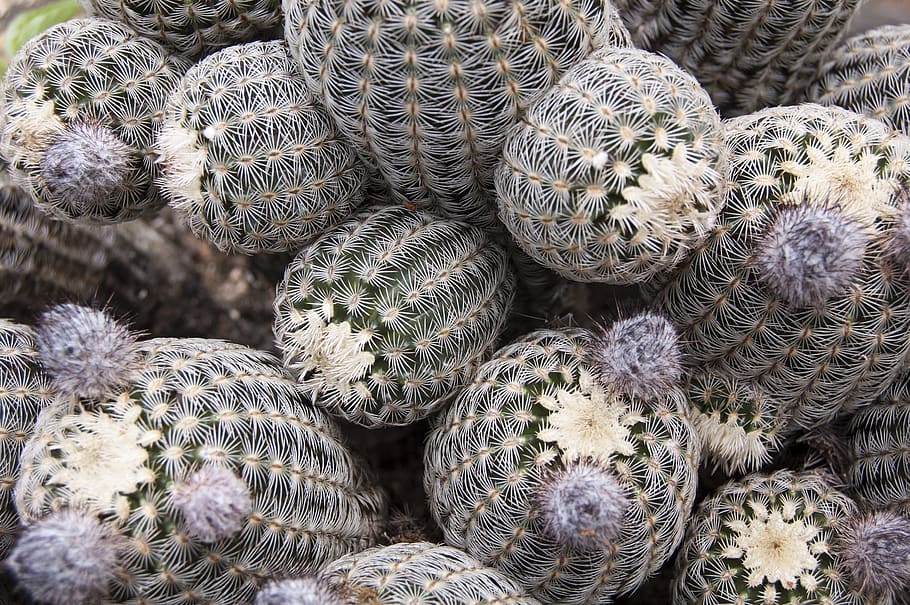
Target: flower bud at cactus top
249,158
615,173
214,503
385,316
899,244
639,356
311,590
66,558
78,132
875,548
86,352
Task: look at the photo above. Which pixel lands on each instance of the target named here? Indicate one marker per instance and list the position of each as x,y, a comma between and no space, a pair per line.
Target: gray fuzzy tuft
899,244
85,164
875,549
85,351
639,356
214,502
582,507
66,558
810,254
298,591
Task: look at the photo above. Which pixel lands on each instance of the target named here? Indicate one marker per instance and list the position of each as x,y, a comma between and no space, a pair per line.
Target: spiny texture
537,408
24,391
875,548
748,54
870,74
879,440
86,74
420,572
249,158
766,540
194,28
195,403
740,427
310,590
214,503
428,90
817,359
615,173
384,317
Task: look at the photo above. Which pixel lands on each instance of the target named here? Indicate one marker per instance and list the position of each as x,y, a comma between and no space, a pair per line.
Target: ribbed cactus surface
615,173
535,410
250,158
792,166
211,468
384,317
428,89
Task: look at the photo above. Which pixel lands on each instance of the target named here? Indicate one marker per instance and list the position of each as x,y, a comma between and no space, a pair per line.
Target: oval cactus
78,133
383,317
615,173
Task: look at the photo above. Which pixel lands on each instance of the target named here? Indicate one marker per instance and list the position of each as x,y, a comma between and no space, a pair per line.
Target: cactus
578,490
818,318
615,173
193,28
81,104
249,158
870,74
209,466
384,316
748,55
428,91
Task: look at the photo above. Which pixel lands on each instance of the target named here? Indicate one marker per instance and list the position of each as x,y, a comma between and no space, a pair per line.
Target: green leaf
30,23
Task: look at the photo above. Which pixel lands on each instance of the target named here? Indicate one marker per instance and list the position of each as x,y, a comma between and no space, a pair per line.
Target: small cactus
249,158
875,548
384,316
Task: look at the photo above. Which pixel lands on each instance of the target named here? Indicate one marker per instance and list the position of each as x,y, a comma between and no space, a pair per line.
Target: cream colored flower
332,352
776,550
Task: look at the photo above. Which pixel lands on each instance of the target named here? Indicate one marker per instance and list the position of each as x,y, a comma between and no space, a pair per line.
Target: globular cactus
803,288
790,537
616,172
249,158
206,470
193,28
578,488
429,90
748,55
81,103
870,74
418,572
384,317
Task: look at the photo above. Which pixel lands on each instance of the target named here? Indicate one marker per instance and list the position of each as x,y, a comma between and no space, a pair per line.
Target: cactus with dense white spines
249,158
383,317
81,103
748,54
745,306
428,90
576,489
615,173
210,466
870,74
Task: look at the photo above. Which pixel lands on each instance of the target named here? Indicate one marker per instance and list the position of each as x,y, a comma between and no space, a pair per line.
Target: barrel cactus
249,158
428,90
803,287
576,485
748,55
200,470
615,173
870,74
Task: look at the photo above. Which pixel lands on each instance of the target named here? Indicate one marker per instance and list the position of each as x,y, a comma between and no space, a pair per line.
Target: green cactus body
532,409
766,540
870,74
96,80
879,439
24,391
747,54
616,173
428,90
193,404
383,317
816,359
249,158
421,572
